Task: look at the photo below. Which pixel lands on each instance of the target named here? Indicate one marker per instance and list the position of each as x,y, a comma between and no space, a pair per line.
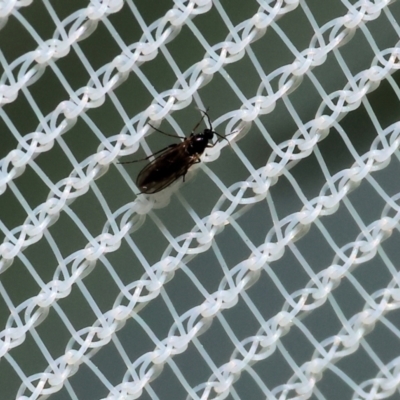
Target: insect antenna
201,119
208,117
211,128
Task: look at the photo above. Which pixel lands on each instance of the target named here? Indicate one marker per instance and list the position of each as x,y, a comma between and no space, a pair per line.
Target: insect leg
165,133
146,158
197,159
183,176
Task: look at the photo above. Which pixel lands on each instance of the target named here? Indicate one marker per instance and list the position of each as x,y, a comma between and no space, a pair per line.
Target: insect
175,160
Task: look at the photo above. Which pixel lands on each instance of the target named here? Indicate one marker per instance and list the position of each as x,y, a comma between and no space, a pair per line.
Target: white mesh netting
271,272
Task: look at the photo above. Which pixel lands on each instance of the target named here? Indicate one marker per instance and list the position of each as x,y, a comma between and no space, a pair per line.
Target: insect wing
165,169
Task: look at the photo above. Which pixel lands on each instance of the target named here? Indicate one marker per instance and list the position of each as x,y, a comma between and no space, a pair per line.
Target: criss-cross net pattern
271,272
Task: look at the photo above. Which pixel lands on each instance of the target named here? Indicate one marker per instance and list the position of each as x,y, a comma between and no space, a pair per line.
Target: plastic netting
271,272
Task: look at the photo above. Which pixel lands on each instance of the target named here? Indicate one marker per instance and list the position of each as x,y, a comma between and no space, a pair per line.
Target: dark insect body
175,160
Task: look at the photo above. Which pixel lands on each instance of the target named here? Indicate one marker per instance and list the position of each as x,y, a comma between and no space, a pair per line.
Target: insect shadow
174,161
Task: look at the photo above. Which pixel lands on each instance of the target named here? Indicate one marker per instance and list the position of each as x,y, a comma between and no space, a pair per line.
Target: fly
175,160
